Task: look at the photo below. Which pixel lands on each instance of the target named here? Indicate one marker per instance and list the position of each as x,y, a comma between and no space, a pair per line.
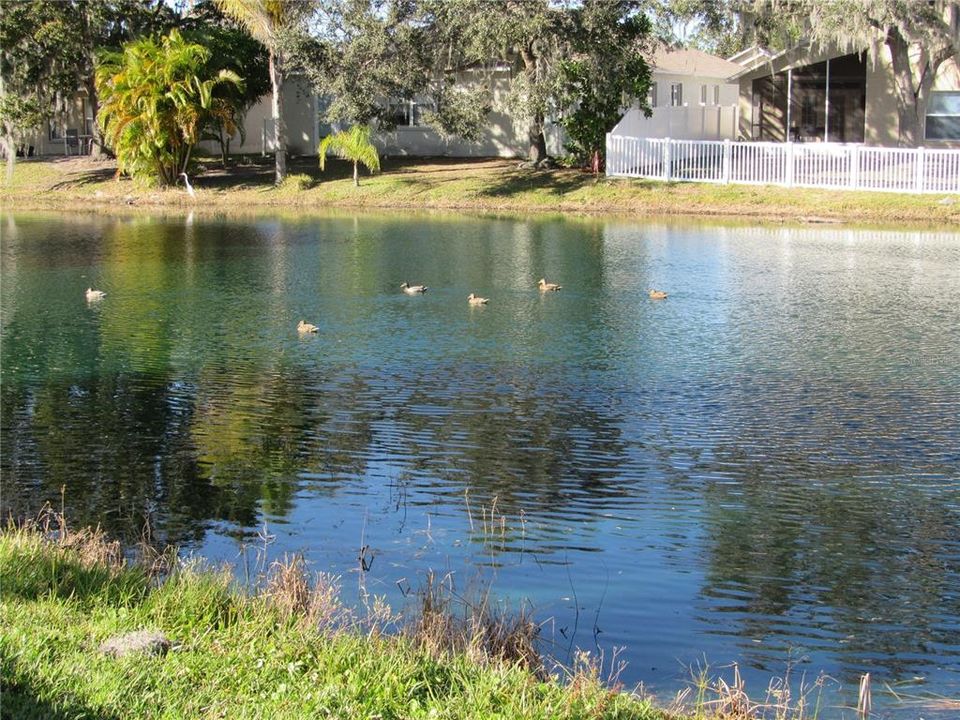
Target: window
716,94
943,116
652,95
703,94
676,94
407,113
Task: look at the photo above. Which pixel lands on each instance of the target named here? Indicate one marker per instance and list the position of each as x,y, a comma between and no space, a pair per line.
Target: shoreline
89,633
461,186
96,629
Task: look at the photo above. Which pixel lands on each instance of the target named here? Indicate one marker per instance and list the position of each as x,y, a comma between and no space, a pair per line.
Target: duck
548,287
305,327
92,294
413,289
658,295
475,300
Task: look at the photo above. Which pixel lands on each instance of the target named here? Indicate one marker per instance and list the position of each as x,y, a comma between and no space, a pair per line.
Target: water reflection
766,465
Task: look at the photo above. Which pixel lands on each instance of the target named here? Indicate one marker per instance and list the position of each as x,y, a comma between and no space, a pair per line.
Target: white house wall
680,123
692,120
691,89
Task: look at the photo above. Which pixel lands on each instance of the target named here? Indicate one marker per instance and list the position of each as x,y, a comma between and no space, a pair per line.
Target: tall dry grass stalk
447,623
312,598
90,546
713,697
864,698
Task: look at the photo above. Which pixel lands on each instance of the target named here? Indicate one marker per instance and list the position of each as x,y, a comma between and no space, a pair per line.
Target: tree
353,145
231,48
371,55
605,65
18,117
156,102
478,32
724,27
920,37
35,71
47,49
272,22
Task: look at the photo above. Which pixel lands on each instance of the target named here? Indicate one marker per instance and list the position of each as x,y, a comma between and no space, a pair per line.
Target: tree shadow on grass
88,177
29,577
555,182
19,700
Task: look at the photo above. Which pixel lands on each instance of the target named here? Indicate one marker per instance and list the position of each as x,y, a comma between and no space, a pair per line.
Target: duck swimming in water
92,294
305,327
475,300
413,289
658,295
548,287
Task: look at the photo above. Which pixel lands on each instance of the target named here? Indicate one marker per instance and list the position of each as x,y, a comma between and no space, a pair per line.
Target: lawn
457,184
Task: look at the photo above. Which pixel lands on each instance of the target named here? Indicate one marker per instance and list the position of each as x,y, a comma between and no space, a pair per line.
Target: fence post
727,150
918,182
855,167
666,159
790,165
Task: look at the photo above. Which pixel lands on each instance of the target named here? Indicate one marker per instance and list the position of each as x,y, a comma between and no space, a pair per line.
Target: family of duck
305,327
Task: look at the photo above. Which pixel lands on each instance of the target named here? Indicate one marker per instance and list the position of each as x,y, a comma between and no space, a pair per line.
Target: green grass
478,185
240,655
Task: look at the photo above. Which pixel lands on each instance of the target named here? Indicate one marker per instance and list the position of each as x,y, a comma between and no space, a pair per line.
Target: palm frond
353,145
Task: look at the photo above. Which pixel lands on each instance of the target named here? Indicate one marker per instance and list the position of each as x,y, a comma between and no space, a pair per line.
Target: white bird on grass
186,181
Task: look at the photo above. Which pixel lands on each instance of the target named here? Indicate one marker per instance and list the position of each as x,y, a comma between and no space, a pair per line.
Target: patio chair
71,141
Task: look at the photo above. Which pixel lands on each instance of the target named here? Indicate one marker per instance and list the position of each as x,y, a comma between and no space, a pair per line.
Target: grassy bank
476,185
289,650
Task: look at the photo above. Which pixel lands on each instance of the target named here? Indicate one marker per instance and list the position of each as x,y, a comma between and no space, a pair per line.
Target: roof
693,62
750,55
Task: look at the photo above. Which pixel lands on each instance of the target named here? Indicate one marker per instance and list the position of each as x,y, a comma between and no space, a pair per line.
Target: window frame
926,136
676,94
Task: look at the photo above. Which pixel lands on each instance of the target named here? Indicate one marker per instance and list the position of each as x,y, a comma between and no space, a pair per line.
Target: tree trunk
279,129
11,150
537,150
911,96
356,175
97,150
538,143
223,146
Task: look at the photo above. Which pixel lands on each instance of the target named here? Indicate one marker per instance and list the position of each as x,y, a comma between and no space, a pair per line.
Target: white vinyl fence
820,165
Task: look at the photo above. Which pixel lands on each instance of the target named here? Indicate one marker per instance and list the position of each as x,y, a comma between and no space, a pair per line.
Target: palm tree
353,145
156,98
267,21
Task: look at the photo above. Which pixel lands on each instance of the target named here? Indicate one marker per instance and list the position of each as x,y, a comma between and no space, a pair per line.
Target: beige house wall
502,137
299,105
49,140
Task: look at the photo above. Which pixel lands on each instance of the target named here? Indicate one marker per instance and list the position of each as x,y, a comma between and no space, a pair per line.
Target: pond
764,468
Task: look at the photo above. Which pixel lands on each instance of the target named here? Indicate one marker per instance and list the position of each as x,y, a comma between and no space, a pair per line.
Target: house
304,110
690,96
71,134
811,93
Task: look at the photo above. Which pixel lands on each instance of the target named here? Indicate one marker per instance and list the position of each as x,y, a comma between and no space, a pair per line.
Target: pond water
762,468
